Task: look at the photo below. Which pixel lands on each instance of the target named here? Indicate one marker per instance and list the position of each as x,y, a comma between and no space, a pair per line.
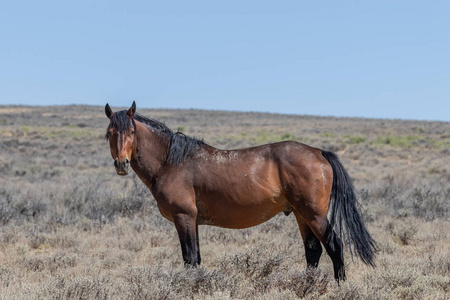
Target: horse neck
151,151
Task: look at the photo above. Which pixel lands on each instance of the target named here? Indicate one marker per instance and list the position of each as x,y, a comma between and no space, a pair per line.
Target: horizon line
236,111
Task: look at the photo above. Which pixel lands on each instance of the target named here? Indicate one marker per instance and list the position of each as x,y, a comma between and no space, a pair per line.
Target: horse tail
344,216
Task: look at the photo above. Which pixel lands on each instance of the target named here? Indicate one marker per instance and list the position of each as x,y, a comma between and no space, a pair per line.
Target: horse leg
334,249
199,259
187,229
323,230
313,248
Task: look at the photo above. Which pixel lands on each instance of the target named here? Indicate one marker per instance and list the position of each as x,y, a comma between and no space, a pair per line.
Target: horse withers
196,184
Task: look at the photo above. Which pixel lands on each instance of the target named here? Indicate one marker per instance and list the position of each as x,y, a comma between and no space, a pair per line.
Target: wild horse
197,184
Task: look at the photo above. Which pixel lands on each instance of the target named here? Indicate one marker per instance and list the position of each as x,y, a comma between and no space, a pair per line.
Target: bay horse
195,184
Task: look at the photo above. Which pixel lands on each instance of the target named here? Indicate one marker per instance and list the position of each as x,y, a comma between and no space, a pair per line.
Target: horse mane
181,146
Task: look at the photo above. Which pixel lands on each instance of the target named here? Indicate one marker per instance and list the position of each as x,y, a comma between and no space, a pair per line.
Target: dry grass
72,229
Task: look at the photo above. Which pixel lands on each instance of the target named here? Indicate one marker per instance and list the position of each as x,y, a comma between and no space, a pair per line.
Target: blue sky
379,59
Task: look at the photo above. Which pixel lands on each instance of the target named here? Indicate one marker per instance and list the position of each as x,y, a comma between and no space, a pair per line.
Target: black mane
181,146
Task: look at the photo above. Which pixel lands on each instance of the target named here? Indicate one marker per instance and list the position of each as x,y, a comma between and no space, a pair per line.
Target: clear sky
382,59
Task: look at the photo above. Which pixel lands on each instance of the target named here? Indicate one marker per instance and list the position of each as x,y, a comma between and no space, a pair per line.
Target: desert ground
71,228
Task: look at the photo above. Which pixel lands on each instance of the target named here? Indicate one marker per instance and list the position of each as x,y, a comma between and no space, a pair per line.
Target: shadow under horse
197,184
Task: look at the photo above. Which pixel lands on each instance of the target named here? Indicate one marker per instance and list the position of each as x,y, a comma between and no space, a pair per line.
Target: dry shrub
133,244
429,205
253,264
402,196
309,283
402,232
36,240
265,272
6,276
202,281
405,283
437,264
249,281
83,288
164,282
147,283
348,291
62,240
52,263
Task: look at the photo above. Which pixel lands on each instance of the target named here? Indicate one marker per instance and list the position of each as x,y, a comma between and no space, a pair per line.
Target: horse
196,184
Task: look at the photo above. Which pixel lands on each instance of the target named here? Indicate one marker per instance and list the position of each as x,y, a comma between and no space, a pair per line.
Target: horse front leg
187,229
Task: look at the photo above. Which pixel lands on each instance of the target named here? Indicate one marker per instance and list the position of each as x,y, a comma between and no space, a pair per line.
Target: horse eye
133,132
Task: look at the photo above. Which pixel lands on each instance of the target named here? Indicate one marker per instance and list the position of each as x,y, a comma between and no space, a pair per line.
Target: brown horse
196,184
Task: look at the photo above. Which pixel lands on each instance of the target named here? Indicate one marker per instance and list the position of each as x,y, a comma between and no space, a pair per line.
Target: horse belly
239,210
240,195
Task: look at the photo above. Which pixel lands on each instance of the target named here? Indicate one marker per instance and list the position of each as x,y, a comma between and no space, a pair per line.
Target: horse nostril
127,161
116,163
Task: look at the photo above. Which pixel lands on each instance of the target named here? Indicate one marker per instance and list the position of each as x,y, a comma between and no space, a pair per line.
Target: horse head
121,134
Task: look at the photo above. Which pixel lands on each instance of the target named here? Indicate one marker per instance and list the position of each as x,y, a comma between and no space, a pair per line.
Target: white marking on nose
118,143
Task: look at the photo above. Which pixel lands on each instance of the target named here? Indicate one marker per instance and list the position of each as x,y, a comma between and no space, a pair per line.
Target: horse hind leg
334,249
322,231
332,243
313,248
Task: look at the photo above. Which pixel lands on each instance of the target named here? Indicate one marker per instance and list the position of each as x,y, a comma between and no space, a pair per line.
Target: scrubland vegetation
70,228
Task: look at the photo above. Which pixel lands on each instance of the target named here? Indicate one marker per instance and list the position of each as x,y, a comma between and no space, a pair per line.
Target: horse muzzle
122,167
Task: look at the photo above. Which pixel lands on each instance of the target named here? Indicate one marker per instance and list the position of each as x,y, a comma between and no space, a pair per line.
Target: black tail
344,215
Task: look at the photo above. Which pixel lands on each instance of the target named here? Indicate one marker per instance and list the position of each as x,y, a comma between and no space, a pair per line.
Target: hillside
71,228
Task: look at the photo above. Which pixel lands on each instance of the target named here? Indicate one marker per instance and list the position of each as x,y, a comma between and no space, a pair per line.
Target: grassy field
70,228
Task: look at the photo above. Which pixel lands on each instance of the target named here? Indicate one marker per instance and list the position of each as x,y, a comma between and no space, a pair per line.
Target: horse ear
108,111
132,110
